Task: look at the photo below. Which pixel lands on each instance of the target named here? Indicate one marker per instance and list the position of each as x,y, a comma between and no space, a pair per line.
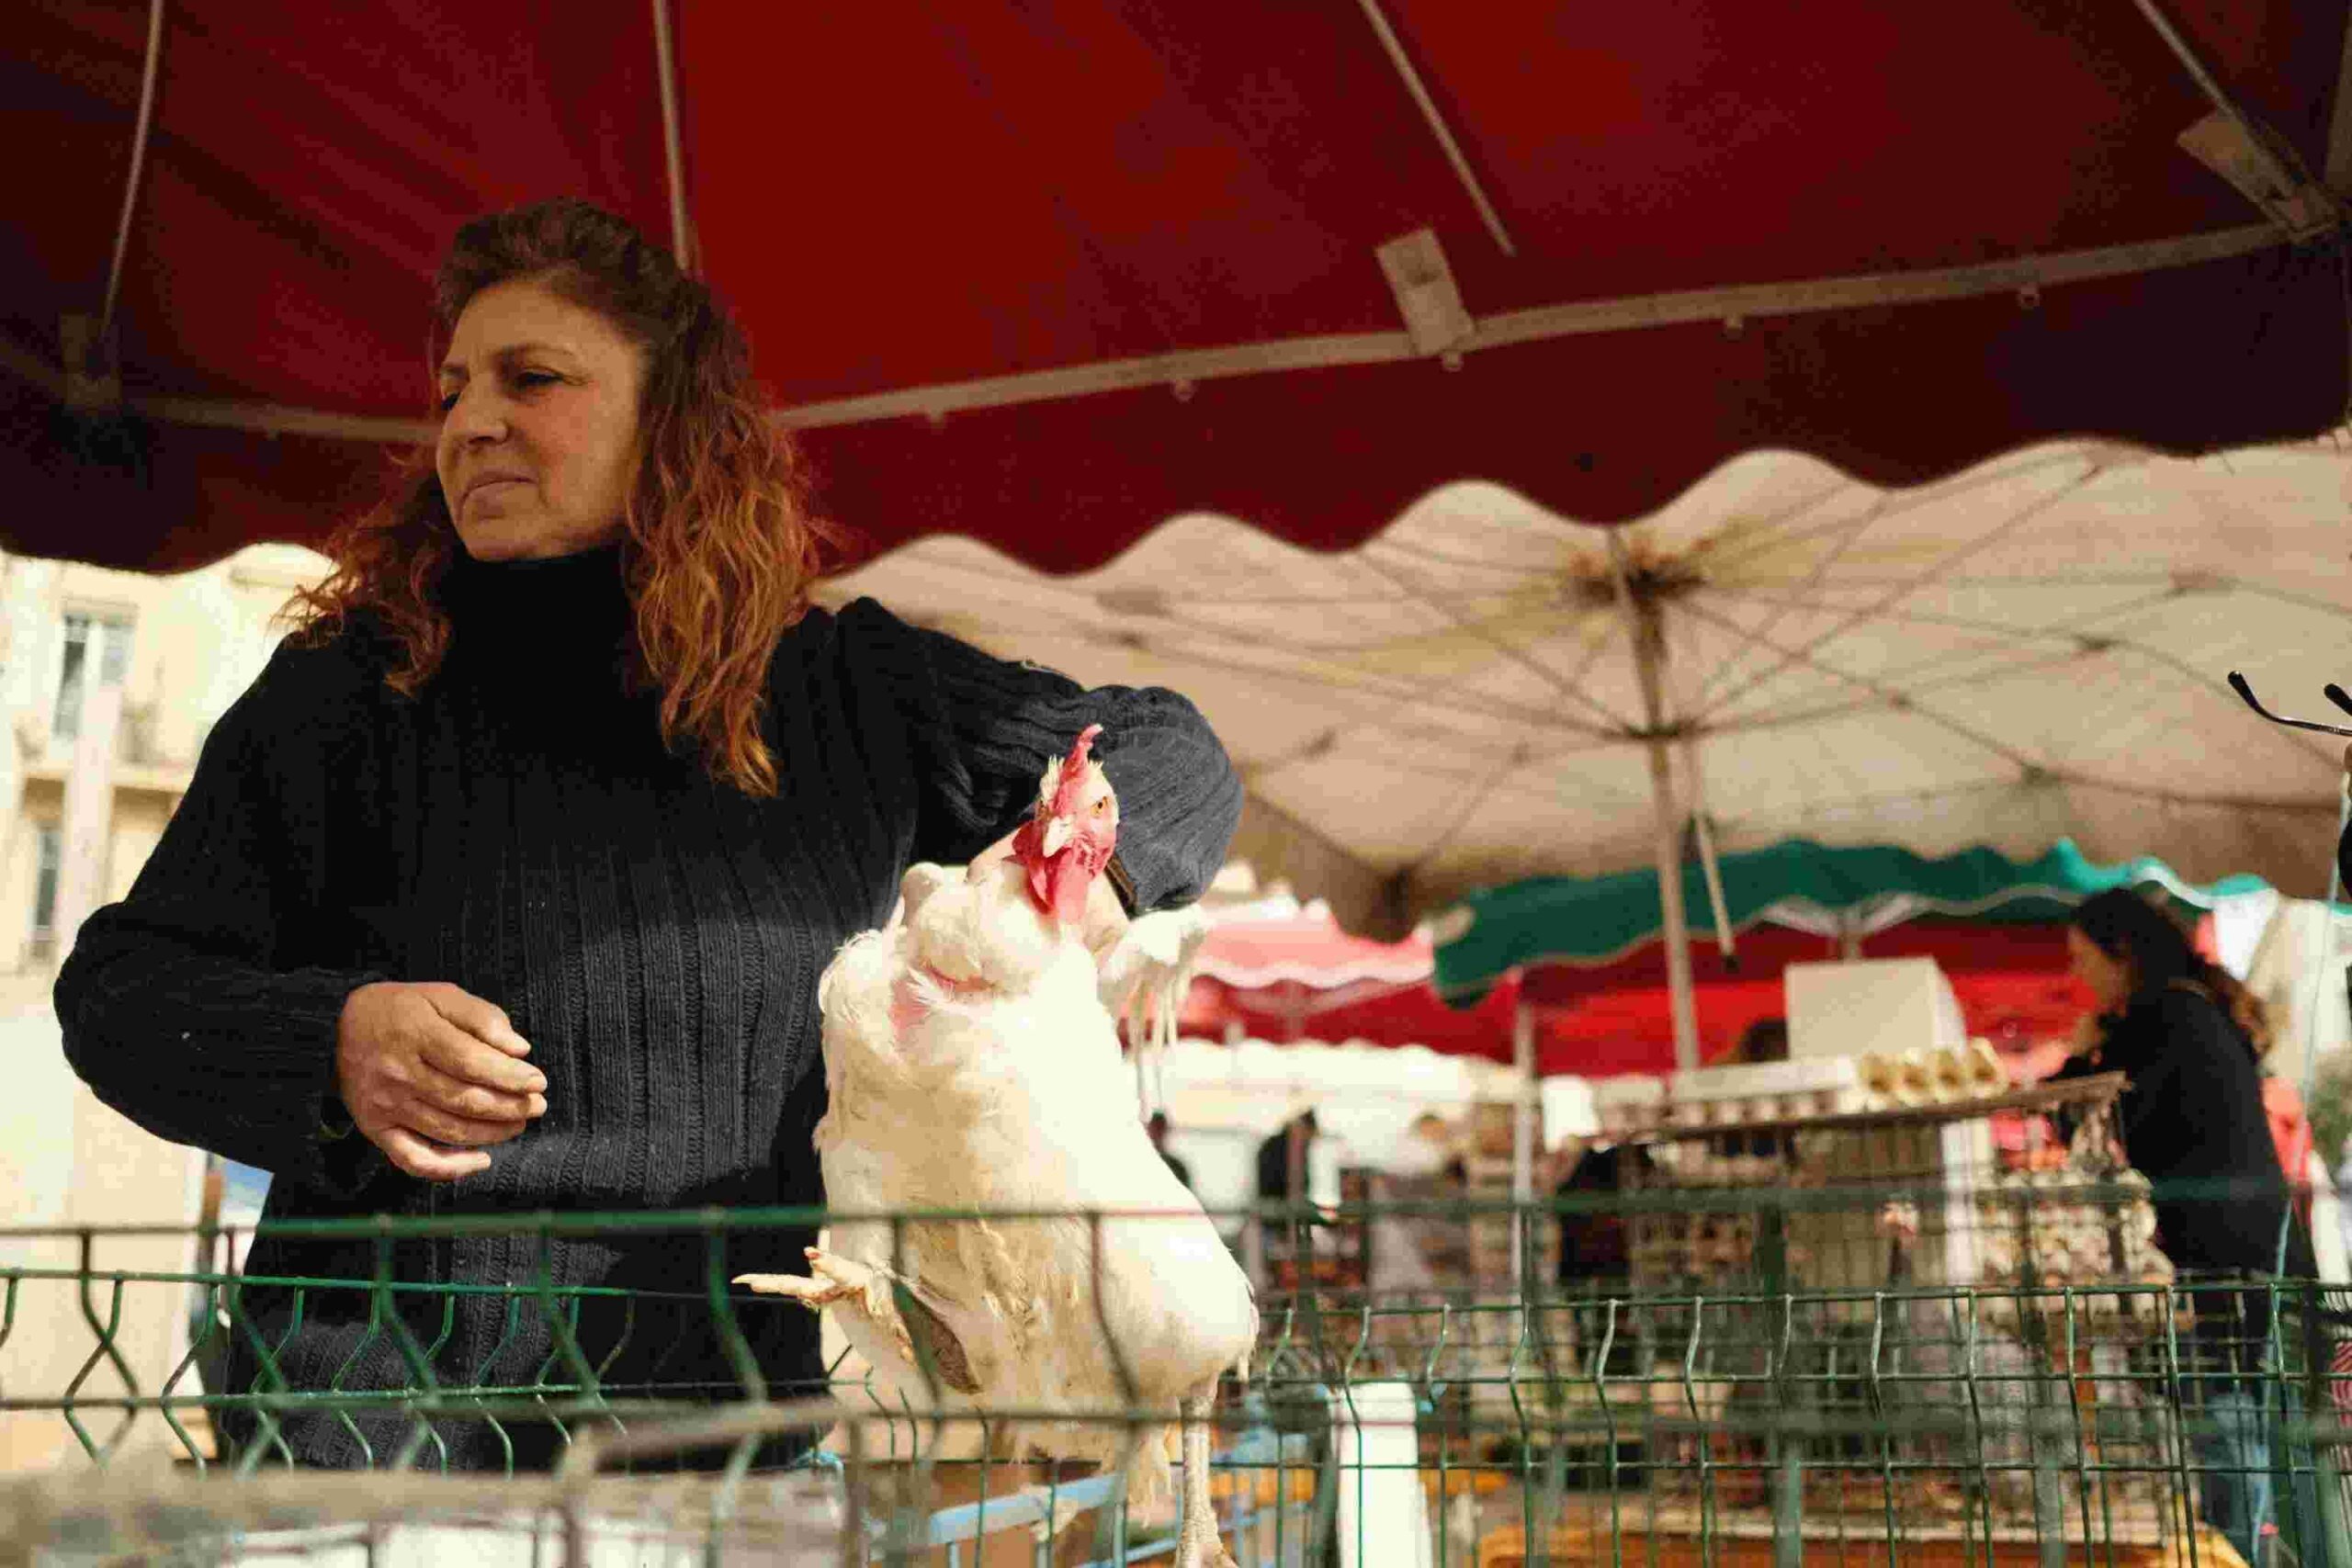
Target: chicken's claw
832,1280
835,1281
1197,1541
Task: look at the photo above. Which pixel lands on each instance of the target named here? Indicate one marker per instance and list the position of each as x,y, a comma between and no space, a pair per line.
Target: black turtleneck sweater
519,829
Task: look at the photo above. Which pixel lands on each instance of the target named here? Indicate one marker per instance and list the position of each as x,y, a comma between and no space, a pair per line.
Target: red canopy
2012,982
1296,975
1308,948
1127,253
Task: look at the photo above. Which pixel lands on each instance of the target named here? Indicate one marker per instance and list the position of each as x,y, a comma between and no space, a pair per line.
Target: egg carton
1729,1096
1932,1076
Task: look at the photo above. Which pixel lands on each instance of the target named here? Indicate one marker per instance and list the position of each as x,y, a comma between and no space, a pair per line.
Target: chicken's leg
838,1281
1197,1545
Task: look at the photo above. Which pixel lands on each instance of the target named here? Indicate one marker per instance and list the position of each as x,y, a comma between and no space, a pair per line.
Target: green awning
1594,920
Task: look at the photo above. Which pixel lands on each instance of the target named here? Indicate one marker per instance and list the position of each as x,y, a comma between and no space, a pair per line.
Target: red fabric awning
1379,1014
909,200
1310,949
2012,982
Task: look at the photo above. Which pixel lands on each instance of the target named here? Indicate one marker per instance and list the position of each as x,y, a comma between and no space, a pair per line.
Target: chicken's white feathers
972,1065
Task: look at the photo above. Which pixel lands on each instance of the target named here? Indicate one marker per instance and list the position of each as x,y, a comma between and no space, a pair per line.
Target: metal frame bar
1983,542
672,149
2288,179
1494,780
2058,778
139,138
1543,322
1438,128
1483,629
2114,456
1358,681
1885,694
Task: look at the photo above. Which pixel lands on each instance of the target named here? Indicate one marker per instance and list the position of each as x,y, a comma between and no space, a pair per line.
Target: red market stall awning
2010,979
1378,1014
2012,982
1310,949
1294,973
1047,274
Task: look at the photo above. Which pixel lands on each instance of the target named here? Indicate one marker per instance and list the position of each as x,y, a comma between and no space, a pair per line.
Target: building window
109,639
52,857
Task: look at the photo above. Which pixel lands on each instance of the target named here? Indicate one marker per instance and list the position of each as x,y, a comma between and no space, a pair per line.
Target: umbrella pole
1677,930
1642,630
1522,1137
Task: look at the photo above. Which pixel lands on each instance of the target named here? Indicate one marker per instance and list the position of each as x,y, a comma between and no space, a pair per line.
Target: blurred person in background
2344,1194
1283,1160
2190,1040
1419,1238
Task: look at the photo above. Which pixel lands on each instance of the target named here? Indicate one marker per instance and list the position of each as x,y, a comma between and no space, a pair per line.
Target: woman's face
2109,979
540,403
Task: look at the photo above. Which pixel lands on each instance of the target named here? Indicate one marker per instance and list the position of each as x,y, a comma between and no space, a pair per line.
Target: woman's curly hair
718,546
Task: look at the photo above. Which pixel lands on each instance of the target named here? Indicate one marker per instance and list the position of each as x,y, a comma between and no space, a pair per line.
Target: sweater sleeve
175,1006
983,729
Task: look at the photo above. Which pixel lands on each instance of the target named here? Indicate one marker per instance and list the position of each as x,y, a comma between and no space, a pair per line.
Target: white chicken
972,1065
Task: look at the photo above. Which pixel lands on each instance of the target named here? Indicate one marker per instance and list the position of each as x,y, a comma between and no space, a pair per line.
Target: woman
506,887
2190,1040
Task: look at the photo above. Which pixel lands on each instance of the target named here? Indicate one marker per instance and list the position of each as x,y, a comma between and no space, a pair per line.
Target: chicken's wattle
1069,840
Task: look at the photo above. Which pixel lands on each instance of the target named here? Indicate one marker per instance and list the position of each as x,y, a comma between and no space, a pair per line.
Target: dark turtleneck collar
564,612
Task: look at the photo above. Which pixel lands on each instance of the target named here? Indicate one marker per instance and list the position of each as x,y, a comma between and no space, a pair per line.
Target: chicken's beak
1058,830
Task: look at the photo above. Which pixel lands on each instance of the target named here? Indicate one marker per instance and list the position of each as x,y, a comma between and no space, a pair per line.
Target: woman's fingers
431,1074
458,1096
426,1161
458,1132
486,1021
466,1057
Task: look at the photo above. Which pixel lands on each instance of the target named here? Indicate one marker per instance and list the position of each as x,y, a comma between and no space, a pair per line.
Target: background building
109,682
180,649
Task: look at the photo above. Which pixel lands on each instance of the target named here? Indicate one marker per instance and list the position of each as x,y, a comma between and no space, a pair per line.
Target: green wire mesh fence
1871,1341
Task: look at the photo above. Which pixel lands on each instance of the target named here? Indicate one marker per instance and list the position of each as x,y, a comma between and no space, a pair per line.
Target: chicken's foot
839,1281
1197,1545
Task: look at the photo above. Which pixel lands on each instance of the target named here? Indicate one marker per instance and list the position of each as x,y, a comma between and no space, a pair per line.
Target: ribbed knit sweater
519,829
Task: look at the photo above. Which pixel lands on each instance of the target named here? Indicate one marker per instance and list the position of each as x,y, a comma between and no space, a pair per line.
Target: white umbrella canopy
2034,649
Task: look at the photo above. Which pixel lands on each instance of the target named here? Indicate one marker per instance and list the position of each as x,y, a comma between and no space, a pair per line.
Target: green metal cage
1851,1340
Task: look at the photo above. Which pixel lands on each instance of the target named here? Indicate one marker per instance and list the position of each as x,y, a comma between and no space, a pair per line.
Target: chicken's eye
1101,806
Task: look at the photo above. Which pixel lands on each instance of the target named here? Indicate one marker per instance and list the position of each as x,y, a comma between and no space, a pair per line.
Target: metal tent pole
1648,638
1522,1137
1708,861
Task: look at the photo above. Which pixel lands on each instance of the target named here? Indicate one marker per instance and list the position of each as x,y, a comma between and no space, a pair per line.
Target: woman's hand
431,1074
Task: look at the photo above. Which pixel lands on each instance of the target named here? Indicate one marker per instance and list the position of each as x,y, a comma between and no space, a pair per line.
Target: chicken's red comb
1073,776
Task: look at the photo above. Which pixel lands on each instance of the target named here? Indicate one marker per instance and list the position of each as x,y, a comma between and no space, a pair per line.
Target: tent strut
1538,324
1711,867
672,149
1462,171
138,165
2286,179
